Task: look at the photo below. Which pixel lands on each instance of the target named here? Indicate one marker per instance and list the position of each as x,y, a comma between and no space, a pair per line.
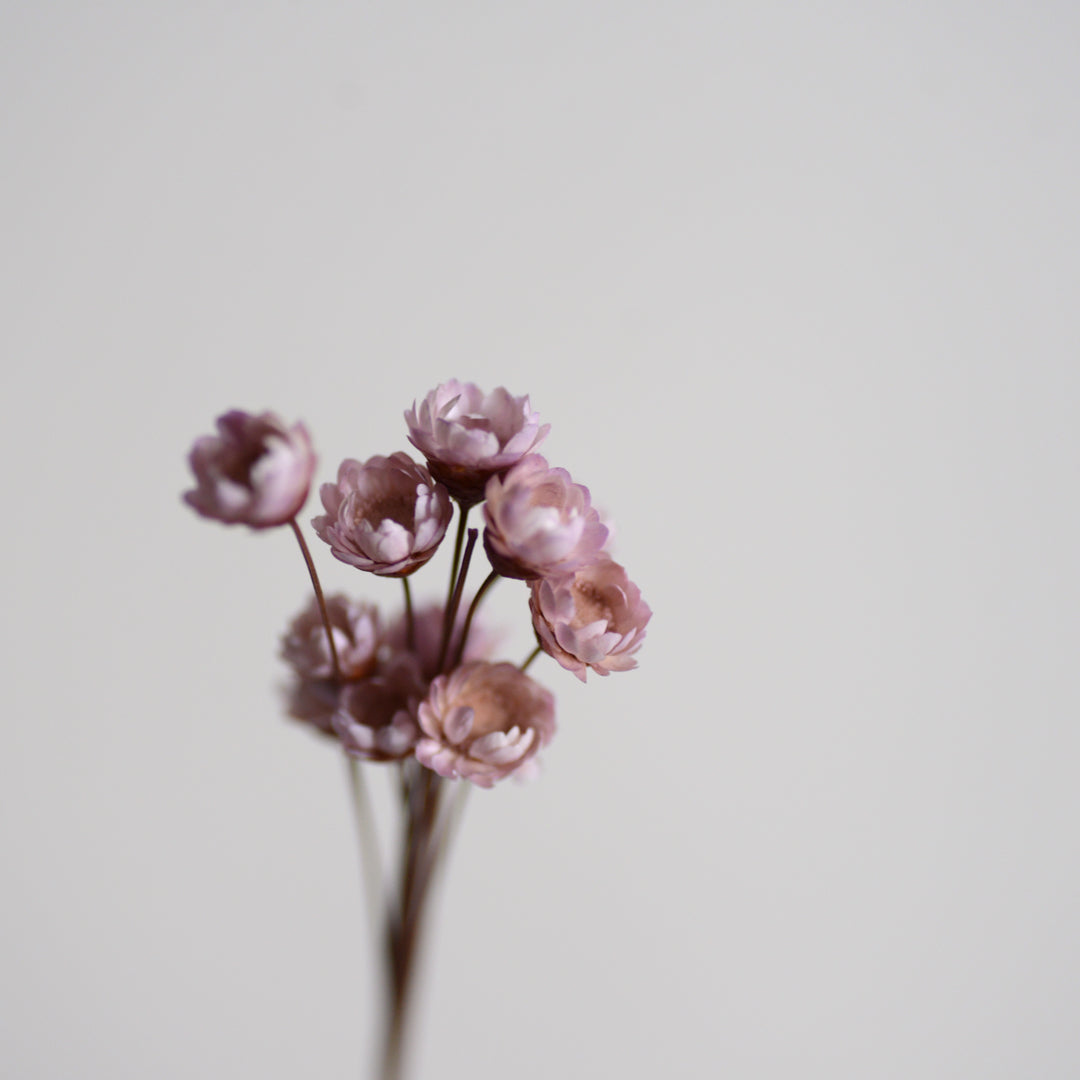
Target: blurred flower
376,718
427,637
539,522
254,472
386,515
355,626
468,436
314,702
483,721
594,618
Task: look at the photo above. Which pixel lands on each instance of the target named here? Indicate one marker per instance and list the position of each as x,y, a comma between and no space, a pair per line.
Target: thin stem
459,540
318,596
530,658
370,860
455,599
452,818
488,582
448,622
410,627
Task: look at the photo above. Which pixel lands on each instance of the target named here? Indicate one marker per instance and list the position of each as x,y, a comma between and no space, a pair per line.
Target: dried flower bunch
423,689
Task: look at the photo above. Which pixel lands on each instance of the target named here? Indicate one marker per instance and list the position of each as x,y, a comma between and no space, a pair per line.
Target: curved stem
488,582
530,658
318,596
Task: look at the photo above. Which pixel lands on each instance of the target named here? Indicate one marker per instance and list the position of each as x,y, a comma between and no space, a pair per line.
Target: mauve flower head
357,635
314,702
427,638
386,515
594,618
539,522
376,718
255,471
483,721
467,436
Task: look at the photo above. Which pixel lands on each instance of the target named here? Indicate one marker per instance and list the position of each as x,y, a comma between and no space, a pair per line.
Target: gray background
796,287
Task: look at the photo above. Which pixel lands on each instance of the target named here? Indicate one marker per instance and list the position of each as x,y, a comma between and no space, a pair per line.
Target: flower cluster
425,685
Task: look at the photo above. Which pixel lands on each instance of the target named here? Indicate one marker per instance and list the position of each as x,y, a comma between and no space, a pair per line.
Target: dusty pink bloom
255,471
468,436
376,718
386,515
314,702
594,618
539,522
355,626
427,638
483,721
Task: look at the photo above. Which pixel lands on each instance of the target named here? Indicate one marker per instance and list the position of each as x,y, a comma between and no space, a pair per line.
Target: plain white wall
795,286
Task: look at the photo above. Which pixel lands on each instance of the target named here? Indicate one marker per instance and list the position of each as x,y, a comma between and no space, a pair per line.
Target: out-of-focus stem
370,860
410,627
406,925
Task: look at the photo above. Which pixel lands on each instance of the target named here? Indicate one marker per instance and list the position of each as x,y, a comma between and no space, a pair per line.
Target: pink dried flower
483,721
594,618
255,471
539,522
314,702
386,515
376,718
427,638
468,436
355,626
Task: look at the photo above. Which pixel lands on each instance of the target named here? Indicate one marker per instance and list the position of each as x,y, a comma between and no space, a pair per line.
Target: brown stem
488,582
455,600
530,658
318,596
410,627
404,930
448,625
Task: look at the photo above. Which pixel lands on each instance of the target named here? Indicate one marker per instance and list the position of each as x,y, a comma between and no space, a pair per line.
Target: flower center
590,604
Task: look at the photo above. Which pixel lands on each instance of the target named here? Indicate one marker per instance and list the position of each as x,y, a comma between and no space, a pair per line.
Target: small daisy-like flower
483,721
593,618
355,626
255,471
539,522
386,515
468,436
